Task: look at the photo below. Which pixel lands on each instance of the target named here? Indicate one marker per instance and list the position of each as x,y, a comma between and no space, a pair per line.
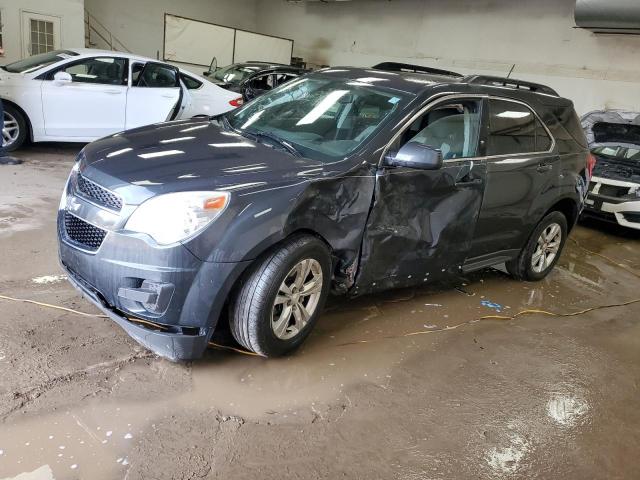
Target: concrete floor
538,397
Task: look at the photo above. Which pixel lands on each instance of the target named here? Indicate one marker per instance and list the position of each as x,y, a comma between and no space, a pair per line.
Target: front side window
323,119
452,127
514,129
100,70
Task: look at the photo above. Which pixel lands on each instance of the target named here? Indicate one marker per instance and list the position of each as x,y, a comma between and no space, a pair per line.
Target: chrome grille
82,233
100,195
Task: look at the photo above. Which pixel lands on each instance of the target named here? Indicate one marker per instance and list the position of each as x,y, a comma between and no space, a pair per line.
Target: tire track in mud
26,396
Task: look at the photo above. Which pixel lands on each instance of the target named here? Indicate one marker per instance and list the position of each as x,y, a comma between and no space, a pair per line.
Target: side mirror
415,155
62,78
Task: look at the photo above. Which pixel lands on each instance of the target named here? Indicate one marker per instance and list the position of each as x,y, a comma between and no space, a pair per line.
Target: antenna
511,71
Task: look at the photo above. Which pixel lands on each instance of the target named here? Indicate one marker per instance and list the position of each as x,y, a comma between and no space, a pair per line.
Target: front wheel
14,131
282,297
542,251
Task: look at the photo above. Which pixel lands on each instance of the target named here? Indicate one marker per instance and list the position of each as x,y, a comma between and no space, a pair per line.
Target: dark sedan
253,79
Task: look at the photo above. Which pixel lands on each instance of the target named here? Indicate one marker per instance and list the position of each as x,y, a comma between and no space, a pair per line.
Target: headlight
174,217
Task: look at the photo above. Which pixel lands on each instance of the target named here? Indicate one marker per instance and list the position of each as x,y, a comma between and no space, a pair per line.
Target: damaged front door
421,223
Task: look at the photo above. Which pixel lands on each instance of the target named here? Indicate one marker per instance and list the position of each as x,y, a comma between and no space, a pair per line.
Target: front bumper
173,346
606,200
128,278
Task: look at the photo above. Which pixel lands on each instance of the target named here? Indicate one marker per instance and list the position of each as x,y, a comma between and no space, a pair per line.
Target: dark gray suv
348,180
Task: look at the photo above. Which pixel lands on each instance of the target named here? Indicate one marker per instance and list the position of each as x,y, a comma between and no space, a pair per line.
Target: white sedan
79,95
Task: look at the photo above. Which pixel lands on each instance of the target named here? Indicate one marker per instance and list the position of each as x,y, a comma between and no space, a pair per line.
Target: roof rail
406,67
509,83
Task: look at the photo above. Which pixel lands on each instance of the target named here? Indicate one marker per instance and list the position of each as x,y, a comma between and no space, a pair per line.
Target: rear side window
514,129
190,82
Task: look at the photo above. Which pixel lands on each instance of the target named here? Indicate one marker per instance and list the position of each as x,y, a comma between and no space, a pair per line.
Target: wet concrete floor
407,384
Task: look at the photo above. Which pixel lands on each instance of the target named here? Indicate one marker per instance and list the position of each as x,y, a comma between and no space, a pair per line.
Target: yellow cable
69,310
135,320
237,350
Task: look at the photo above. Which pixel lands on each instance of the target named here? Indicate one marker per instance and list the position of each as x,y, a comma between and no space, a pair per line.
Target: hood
609,127
189,155
614,128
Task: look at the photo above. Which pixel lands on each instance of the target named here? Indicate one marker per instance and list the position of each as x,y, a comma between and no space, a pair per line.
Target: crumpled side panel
420,227
337,209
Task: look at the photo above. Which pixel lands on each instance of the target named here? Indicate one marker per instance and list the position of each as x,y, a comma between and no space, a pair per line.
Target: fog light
152,297
163,292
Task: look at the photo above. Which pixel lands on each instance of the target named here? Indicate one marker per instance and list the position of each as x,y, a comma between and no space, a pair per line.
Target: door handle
113,92
167,95
544,167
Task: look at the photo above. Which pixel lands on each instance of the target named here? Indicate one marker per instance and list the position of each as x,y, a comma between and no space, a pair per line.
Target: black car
350,180
614,193
253,79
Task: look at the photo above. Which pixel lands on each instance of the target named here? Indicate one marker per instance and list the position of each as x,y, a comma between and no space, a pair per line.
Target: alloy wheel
10,131
297,299
547,248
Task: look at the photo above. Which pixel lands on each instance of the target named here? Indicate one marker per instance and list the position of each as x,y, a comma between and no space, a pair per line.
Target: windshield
322,119
618,152
38,61
234,74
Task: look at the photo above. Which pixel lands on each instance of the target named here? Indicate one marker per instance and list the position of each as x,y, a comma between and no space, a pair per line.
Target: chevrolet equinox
349,180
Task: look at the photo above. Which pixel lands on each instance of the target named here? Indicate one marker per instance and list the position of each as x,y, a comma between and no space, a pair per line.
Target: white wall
139,24
469,36
71,13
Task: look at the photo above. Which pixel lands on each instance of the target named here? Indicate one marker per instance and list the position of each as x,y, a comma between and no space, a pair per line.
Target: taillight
236,102
591,164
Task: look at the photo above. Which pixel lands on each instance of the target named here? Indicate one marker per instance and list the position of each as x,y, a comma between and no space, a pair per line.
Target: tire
15,127
523,267
269,329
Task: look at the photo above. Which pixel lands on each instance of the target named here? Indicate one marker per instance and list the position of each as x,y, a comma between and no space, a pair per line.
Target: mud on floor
407,384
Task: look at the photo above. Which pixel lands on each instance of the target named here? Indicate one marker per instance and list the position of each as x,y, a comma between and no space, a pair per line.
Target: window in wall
41,36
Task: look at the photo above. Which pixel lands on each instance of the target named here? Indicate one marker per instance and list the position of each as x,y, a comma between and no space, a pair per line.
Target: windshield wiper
283,143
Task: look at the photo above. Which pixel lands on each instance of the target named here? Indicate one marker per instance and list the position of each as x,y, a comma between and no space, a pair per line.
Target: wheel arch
223,315
569,208
24,114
